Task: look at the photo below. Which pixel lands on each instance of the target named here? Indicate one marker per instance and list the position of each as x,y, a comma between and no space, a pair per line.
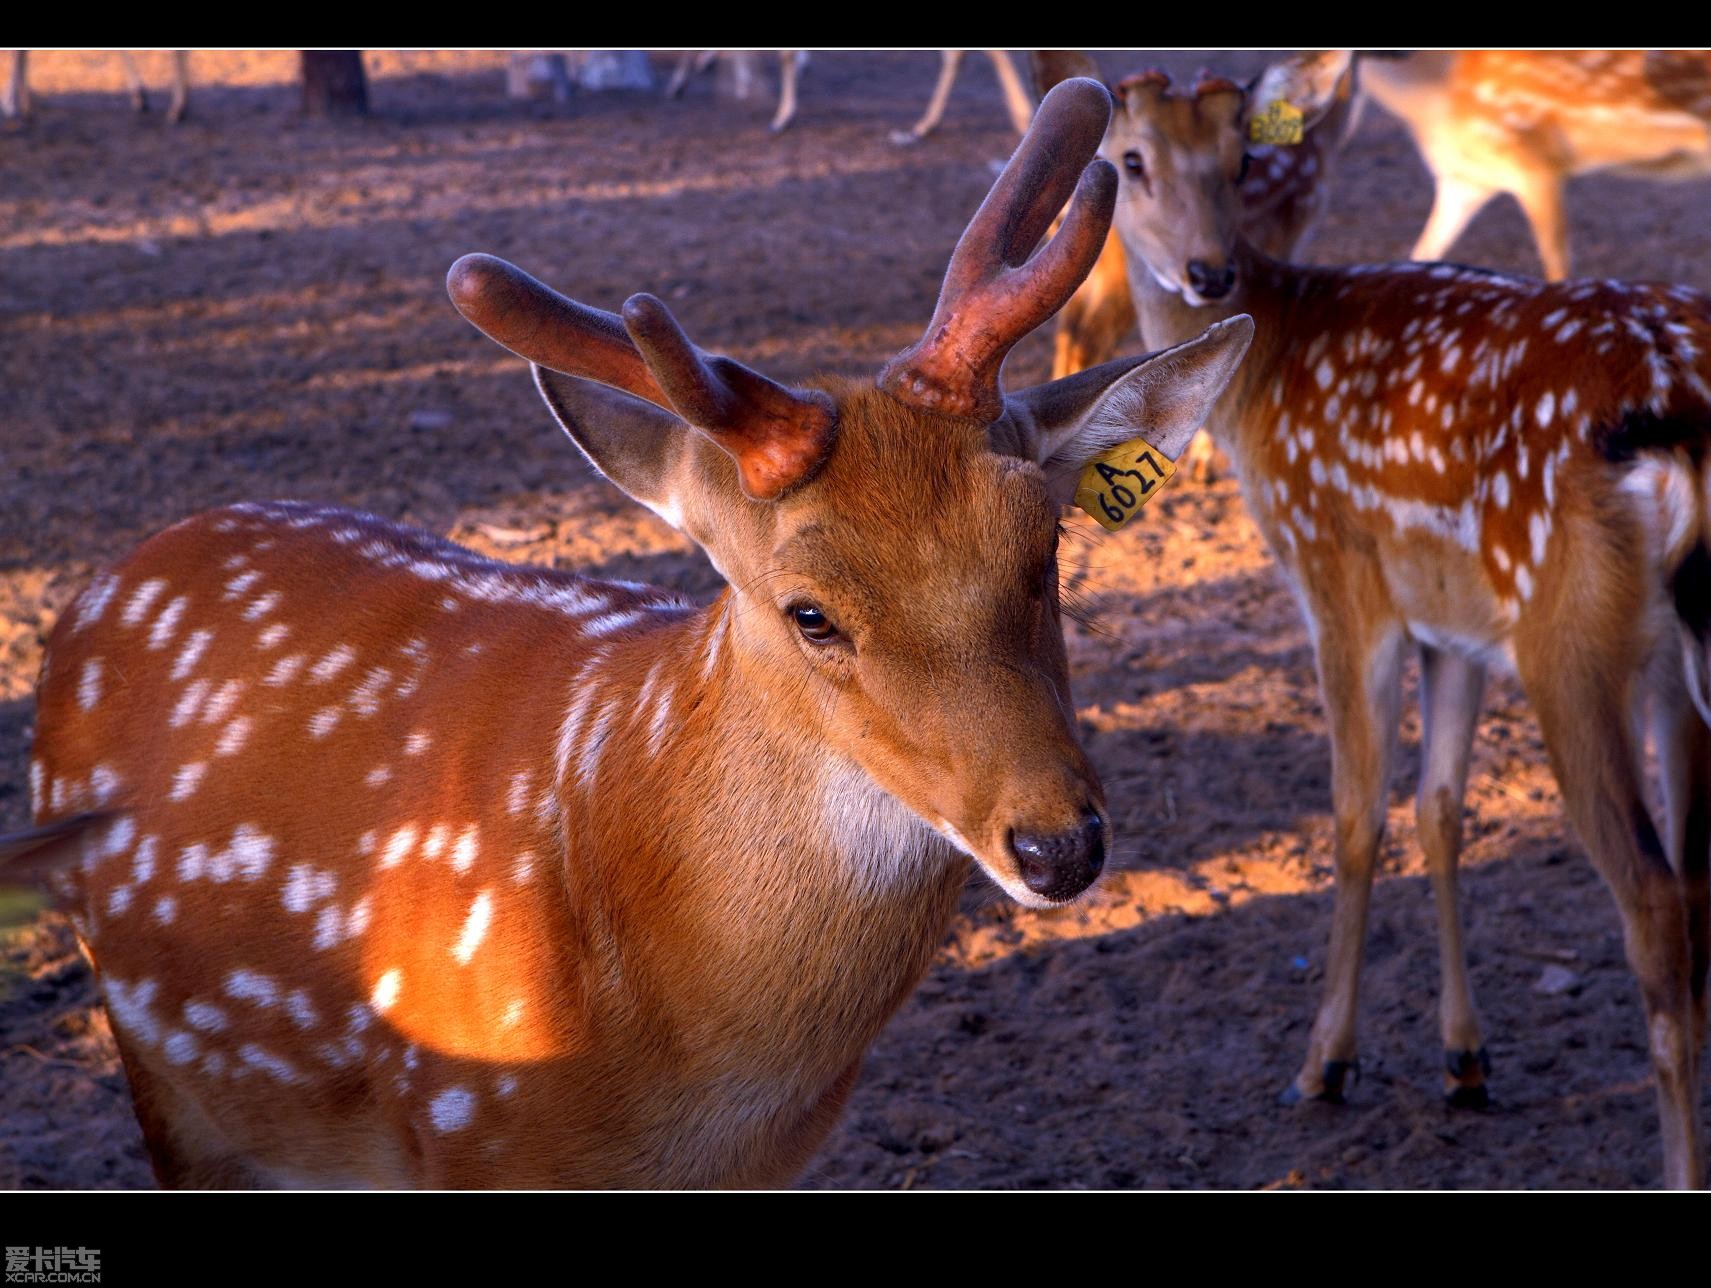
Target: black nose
1061,865
1211,283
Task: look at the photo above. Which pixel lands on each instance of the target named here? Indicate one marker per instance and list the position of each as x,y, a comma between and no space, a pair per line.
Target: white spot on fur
248,986
138,606
284,670
397,846
474,927
160,634
386,988
206,1017
233,737
301,1009
188,656
452,1110
335,661
89,685
188,779
463,853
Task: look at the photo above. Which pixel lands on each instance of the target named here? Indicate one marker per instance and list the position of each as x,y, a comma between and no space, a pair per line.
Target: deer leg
1360,675
1684,755
180,87
1449,702
1587,733
789,64
17,98
949,61
1454,204
686,67
134,78
1016,100
1540,195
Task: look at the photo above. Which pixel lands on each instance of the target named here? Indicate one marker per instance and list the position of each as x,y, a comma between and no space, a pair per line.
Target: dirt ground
251,306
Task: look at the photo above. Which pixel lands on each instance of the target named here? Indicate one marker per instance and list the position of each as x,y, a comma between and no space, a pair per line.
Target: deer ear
654,456
1049,66
1163,398
1310,83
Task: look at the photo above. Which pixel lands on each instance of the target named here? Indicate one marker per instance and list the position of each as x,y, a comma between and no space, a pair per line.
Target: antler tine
993,294
535,322
779,437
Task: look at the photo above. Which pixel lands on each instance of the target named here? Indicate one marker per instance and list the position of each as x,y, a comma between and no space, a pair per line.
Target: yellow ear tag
1116,484
1278,124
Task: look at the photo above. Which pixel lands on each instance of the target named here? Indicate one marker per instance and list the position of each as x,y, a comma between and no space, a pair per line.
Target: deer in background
1524,122
405,867
16,100
1283,189
791,62
1496,472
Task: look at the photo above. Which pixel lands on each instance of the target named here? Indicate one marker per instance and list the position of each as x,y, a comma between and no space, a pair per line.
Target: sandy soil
251,306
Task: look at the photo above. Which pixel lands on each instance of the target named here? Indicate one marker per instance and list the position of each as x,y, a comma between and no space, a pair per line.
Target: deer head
1181,154
891,545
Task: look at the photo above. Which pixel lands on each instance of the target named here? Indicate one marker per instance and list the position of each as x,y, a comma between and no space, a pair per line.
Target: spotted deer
1498,472
1487,121
16,100
1282,189
404,867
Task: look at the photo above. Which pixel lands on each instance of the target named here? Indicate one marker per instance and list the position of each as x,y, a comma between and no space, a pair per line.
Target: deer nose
1208,282
1060,865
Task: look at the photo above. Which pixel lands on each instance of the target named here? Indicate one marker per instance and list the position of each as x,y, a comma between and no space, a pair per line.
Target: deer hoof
1465,1073
1335,1078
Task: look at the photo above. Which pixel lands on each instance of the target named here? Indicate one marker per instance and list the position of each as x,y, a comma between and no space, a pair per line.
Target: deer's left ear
1163,398
1310,83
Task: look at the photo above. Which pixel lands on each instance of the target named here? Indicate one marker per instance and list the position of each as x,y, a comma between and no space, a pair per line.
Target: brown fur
1525,121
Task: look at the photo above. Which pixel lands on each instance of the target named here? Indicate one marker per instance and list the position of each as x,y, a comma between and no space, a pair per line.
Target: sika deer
1499,472
411,868
1283,189
1525,121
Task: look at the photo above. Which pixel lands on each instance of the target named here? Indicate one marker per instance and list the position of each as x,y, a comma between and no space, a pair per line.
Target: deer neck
1271,291
739,846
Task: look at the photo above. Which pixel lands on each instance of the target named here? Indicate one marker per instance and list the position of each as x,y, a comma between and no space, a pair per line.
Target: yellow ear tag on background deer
1117,483
1278,124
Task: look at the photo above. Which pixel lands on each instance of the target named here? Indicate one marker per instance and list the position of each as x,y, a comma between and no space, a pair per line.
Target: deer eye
1132,163
815,626
1242,172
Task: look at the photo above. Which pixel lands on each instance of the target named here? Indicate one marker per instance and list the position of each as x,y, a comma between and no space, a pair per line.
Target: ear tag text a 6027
1118,482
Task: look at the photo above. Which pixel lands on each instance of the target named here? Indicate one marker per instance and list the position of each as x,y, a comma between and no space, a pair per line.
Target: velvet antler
778,436
993,293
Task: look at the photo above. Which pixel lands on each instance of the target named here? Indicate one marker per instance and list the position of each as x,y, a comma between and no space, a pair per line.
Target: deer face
1180,155
1179,158
891,547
